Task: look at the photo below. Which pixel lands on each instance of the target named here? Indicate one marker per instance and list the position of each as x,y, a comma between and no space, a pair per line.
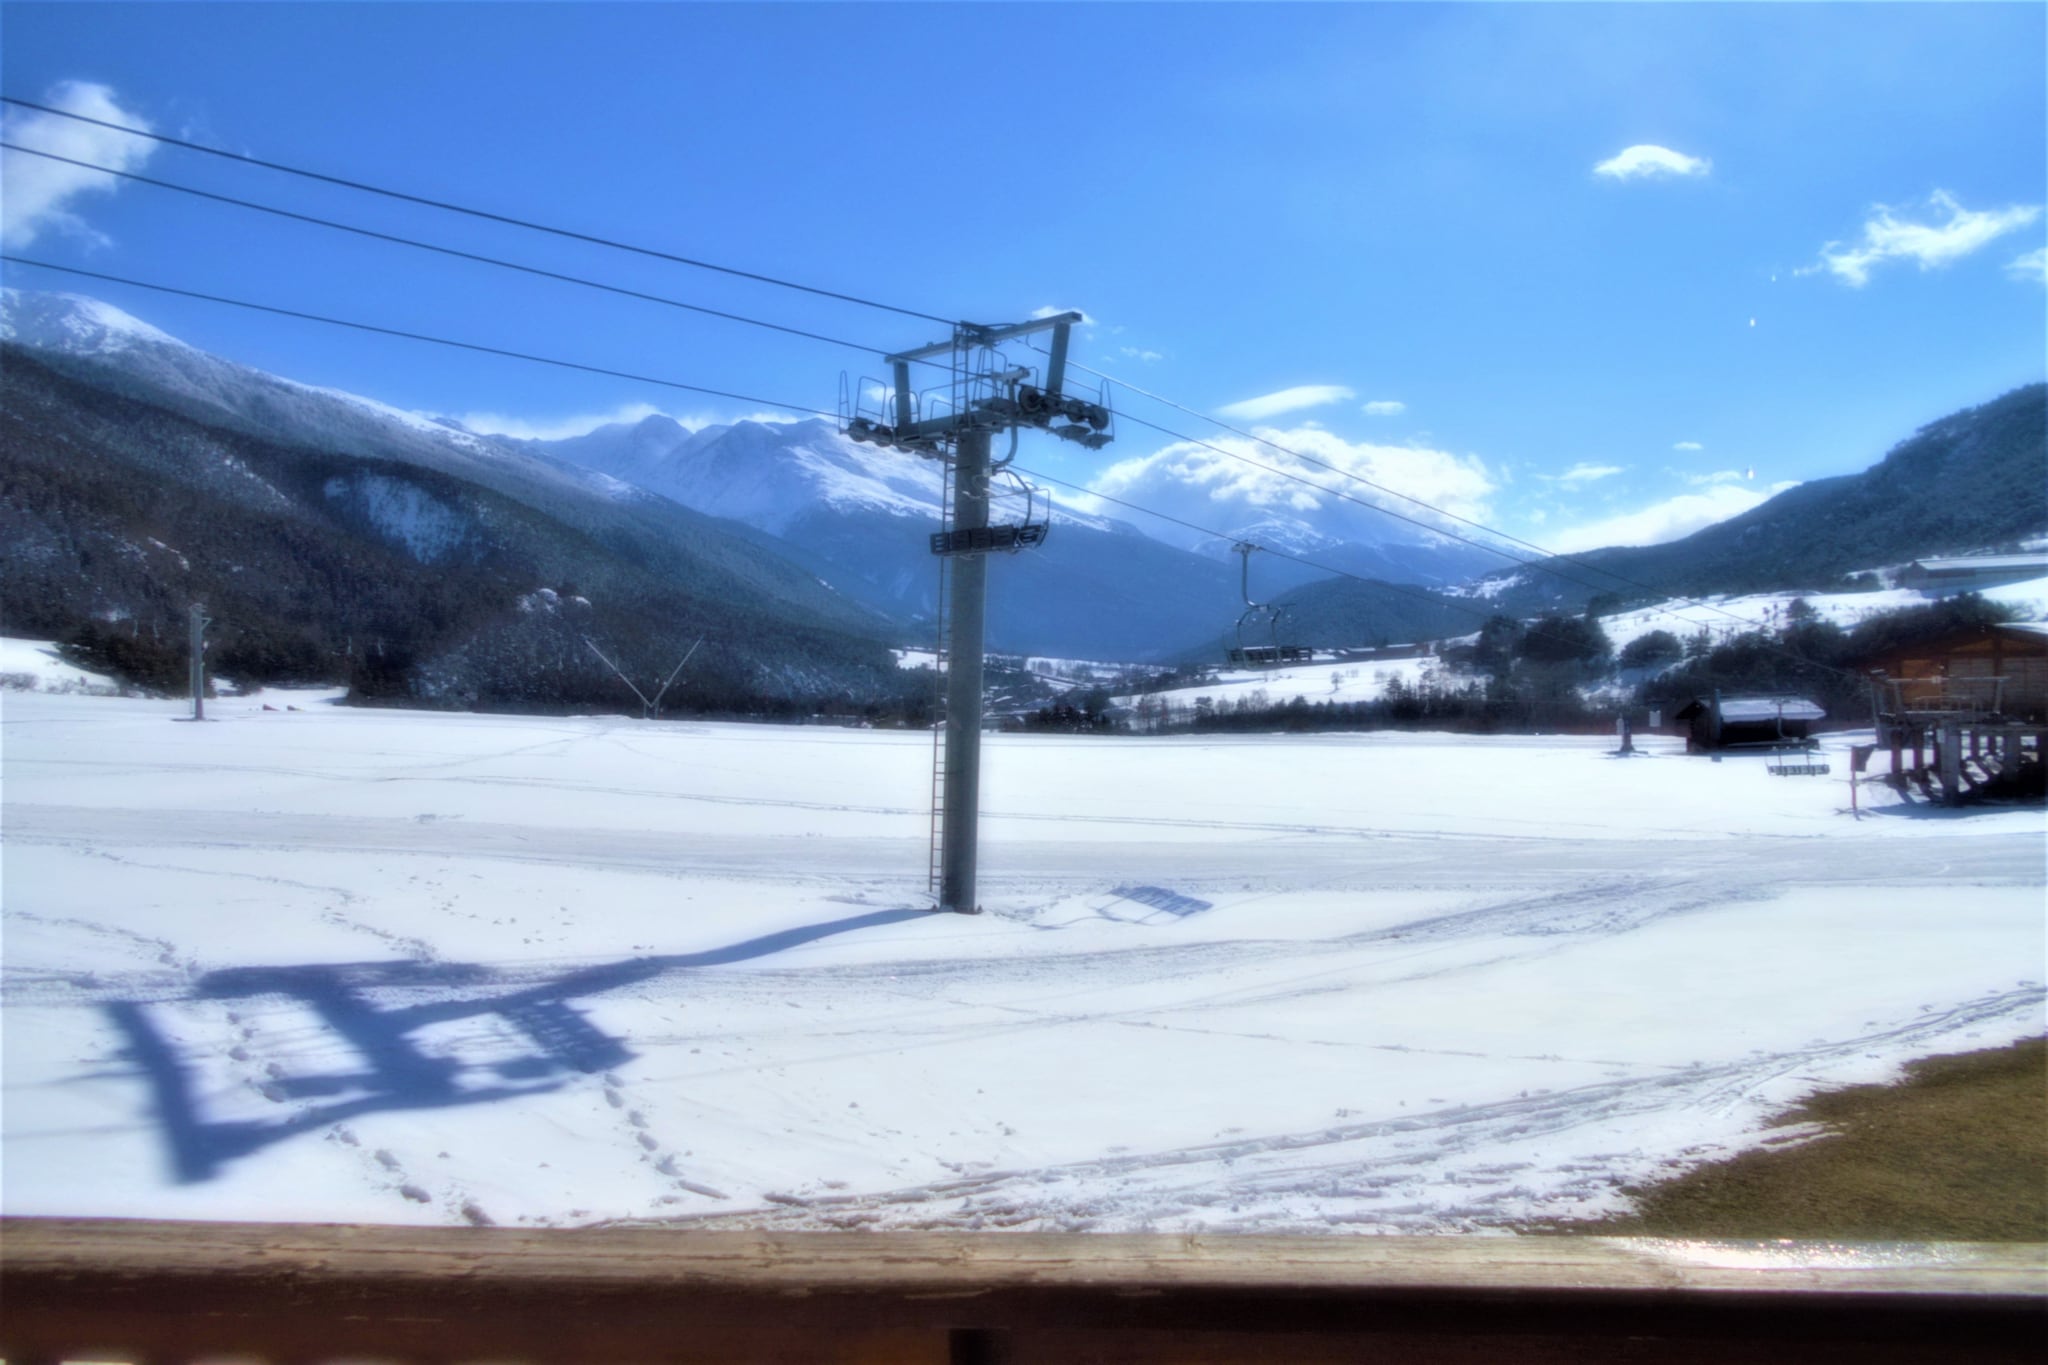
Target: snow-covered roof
1978,563
1769,708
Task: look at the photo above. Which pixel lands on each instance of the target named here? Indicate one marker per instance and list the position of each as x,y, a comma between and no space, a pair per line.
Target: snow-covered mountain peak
1291,535
76,331
74,324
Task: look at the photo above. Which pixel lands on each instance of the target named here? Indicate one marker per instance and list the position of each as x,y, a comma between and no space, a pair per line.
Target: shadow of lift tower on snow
398,1072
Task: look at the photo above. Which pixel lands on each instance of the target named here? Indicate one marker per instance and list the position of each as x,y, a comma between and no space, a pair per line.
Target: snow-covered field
1723,616
1337,681
33,665
334,964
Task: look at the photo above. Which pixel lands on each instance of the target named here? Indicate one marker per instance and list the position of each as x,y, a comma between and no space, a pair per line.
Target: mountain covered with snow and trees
331,537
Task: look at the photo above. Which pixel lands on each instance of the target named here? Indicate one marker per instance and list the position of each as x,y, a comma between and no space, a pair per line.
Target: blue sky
1418,233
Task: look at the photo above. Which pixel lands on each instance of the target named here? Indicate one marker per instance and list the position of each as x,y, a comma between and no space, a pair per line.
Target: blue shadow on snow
398,1071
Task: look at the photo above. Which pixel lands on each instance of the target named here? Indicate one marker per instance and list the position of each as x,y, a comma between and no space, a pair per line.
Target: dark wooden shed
1718,722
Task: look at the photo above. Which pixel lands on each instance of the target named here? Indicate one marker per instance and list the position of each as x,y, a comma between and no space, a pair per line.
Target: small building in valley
1970,573
1718,722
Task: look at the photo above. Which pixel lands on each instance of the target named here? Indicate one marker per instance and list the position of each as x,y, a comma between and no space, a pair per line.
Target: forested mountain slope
1975,480
116,513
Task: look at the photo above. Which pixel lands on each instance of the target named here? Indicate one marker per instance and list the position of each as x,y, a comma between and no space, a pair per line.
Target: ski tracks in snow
1395,1174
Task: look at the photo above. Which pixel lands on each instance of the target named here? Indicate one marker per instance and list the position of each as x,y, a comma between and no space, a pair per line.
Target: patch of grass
1957,1151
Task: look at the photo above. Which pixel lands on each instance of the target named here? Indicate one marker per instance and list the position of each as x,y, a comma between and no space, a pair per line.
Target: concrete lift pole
963,436
199,622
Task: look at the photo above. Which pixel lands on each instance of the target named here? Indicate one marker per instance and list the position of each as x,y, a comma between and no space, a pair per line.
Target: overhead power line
447,250
484,214
419,336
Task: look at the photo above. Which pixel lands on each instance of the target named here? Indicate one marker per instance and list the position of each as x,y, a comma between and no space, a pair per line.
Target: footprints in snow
386,1169
666,1161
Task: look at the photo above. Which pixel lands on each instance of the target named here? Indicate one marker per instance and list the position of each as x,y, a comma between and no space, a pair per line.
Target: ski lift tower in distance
1258,628
955,424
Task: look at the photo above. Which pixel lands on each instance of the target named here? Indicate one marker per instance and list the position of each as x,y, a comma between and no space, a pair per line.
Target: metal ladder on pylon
941,654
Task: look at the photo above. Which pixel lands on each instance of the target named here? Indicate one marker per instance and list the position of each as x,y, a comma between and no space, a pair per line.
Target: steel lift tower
956,424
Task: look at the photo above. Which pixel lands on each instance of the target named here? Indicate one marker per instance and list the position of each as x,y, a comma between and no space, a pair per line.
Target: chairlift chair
1258,627
1028,529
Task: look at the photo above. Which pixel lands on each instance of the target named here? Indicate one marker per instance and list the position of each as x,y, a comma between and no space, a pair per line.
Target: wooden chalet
1987,670
1969,706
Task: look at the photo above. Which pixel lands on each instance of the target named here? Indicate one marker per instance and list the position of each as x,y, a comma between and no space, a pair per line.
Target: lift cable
841,342
421,336
875,350
484,214
449,251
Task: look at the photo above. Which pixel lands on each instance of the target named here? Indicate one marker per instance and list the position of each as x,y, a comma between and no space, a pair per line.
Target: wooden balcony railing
156,1293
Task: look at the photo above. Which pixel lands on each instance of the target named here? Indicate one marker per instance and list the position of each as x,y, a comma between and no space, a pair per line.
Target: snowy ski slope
335,964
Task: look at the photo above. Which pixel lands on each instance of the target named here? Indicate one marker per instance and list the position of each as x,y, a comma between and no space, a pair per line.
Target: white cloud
1583,472
2032,266
1140,353
553,428
1688,445
1286,400
1648,159
1209,488
1888,237
1051,312
1719,476
40,192
1672,519
1384,407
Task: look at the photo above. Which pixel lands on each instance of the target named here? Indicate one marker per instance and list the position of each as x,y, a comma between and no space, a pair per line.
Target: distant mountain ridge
788,537
860,517
1973,480
797,494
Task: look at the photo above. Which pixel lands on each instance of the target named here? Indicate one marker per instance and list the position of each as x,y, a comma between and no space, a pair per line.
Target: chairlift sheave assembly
983,392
